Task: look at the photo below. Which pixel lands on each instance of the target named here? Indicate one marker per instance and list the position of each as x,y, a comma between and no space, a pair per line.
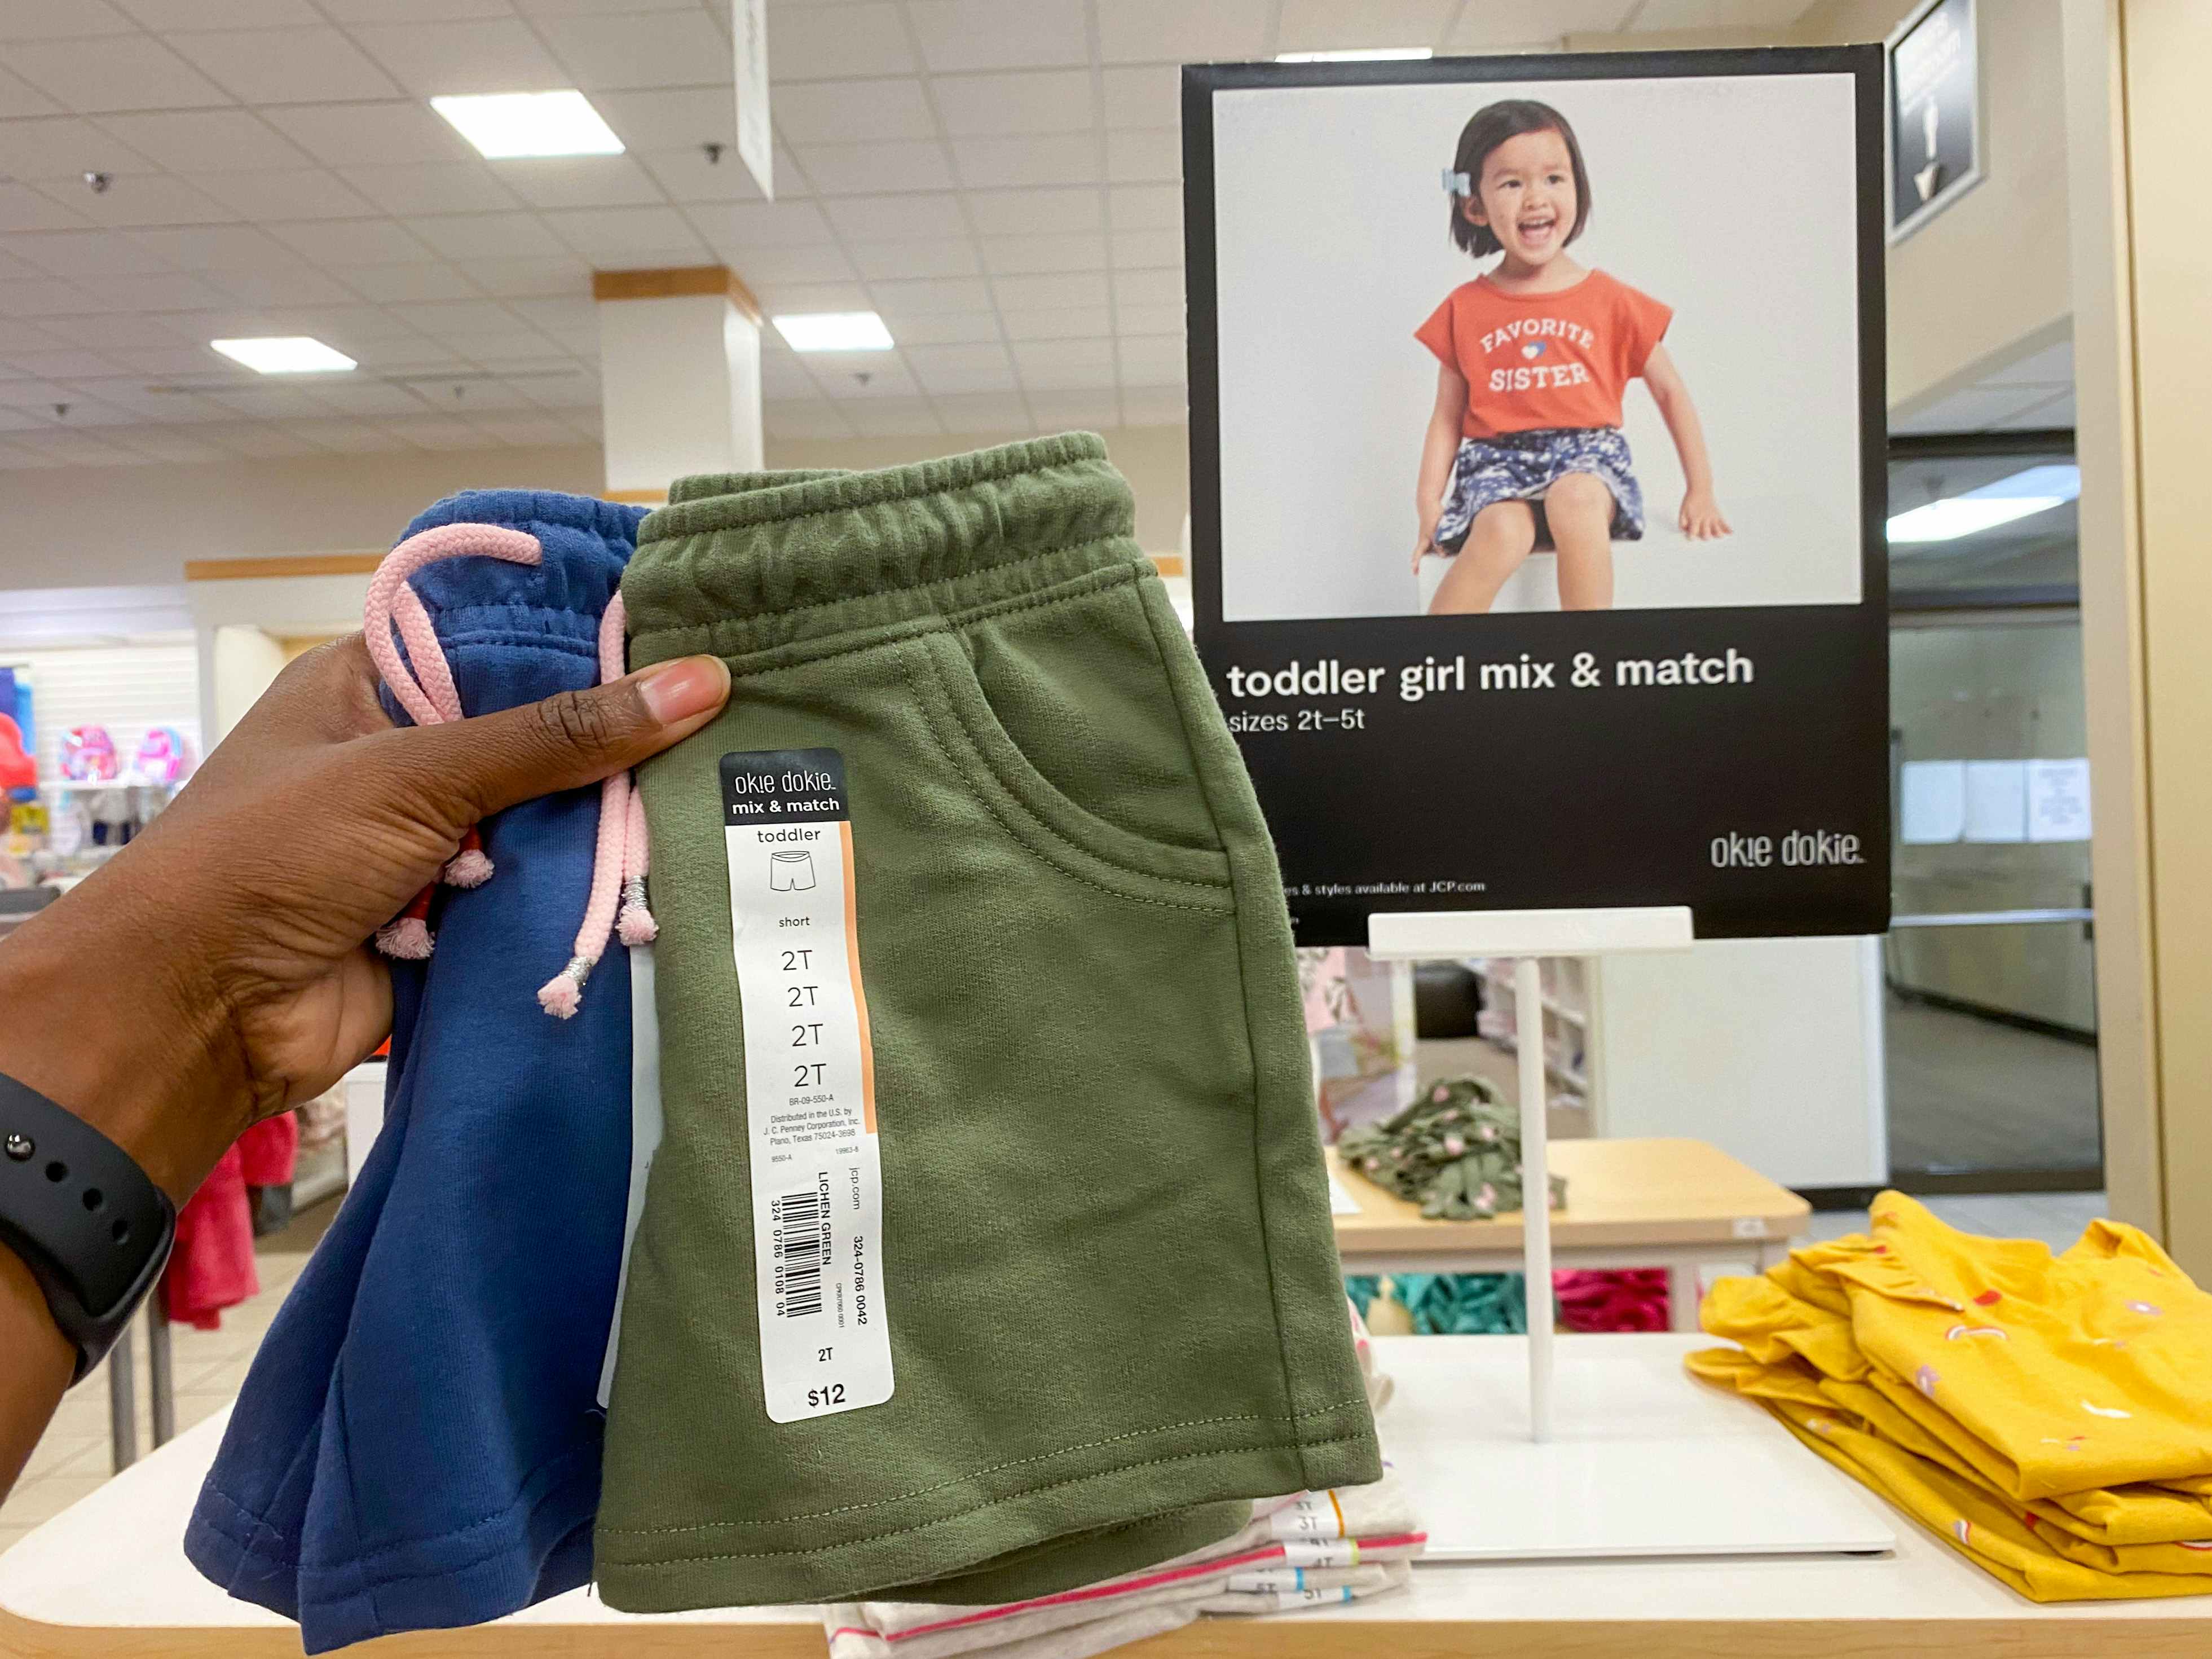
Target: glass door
1989,964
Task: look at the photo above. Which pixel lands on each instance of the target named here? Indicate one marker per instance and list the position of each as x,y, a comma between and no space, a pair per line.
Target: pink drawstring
429,695
618,865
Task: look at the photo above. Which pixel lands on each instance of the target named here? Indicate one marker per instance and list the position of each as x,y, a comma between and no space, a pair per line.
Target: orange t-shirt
1545,360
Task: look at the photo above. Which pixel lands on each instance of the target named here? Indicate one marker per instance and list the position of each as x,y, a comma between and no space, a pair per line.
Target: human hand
217,970
1700,518
1426,543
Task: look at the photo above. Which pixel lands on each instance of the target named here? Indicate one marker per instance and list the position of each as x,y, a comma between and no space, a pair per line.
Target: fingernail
694,686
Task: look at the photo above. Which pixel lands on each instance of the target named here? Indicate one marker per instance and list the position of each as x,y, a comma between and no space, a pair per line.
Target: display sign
1538,486
756,134
1935,113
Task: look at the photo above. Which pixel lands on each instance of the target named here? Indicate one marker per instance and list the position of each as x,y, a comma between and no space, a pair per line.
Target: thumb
486,764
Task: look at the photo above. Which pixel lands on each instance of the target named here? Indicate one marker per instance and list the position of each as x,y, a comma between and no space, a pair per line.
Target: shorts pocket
1035,811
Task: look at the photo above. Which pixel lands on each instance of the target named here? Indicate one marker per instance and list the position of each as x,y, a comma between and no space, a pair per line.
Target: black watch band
90,1225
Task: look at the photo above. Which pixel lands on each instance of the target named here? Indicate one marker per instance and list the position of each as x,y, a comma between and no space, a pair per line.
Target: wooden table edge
2047,1635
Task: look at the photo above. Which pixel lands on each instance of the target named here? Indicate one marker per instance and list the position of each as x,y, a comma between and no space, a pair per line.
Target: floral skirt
1519,466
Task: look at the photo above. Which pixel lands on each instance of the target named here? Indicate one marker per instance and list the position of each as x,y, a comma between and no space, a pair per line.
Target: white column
679,373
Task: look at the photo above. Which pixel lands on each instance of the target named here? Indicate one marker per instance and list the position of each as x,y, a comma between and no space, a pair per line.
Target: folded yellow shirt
2049,1415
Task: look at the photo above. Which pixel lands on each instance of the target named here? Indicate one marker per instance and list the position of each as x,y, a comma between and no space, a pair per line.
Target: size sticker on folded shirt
810,1084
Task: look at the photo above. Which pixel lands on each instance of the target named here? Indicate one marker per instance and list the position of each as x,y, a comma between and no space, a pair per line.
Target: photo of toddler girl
1525,449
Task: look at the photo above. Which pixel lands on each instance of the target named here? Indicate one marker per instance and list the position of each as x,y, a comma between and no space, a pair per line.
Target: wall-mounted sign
756,137
1537,489
1935,113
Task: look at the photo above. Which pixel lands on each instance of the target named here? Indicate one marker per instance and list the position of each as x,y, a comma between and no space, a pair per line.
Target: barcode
798,1255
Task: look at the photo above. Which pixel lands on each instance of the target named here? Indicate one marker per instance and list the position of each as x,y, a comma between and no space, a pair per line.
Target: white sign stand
1625,1456
1528,936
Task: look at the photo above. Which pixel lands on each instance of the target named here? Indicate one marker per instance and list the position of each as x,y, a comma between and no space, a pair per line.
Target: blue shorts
1519,466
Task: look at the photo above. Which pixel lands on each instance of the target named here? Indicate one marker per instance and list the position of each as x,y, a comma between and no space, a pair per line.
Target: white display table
107,1577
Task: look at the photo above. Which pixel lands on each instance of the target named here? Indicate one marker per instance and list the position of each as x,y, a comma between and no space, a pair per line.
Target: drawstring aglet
563,993
635,926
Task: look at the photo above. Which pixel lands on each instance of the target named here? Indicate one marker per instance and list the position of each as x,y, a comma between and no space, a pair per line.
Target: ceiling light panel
511,125
2034,489
835,330
290,353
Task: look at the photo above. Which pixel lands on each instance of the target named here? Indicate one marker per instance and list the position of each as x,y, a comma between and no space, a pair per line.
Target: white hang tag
810,1084
1314,1514
1322,1551
644,1131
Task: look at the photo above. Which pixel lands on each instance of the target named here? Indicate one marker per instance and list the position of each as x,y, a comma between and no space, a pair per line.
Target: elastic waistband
523,508
743,563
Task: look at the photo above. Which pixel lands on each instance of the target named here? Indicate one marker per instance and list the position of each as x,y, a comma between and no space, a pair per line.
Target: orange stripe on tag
859,994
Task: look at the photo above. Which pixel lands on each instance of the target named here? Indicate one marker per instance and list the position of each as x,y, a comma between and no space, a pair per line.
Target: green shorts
1108,1269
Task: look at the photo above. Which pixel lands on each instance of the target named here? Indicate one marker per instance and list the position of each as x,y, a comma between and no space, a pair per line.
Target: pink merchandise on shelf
164,755
88,755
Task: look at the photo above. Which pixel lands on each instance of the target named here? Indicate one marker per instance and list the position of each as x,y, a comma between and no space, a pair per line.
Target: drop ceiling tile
1143,155
288,66
355,396
292,285
538,432
295,401
737,226
1330,26
1001,106
1148,288
812,42
1147,97
164,290
2052,365
952,382
143,198
1031,255
804,418
1155,405
86,253
46,296
985,412
1064,365
931,298
640,49
204,141
115,72
260,443
569,311
1176,32
902,218
22,207
1146,207
1657,15
18,336
928,361
64,363
514,278
894,261
691,175
395,133
76,449
485,236
452,320
579,181
988,34
344,242
674,118
18,97
1034,212
407,353
1058,410
58,20
167,16
761,267
177,448
518,346
1055,158
853,112
586,8
2057,412
864,169
1152,360
492,55
784,378
617,236
1529,22
789,299
579,390
394,284
68,147
1149,320
210,247
896,418
294,194
1148,250
942,327
432,187
1059,322
1051,293
857,376
345,437
413,11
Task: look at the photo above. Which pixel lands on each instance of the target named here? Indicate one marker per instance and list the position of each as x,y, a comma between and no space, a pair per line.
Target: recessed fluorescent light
506,126
286,353
835,330
1363,55
2037,490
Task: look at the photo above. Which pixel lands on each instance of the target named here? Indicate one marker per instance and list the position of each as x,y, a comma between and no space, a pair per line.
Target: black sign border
1868,67
1898,230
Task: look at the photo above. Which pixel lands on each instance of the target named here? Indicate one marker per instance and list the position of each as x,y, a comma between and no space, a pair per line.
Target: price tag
810,1084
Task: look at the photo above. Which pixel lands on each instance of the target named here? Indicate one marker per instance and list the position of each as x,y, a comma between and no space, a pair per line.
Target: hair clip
1456,184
